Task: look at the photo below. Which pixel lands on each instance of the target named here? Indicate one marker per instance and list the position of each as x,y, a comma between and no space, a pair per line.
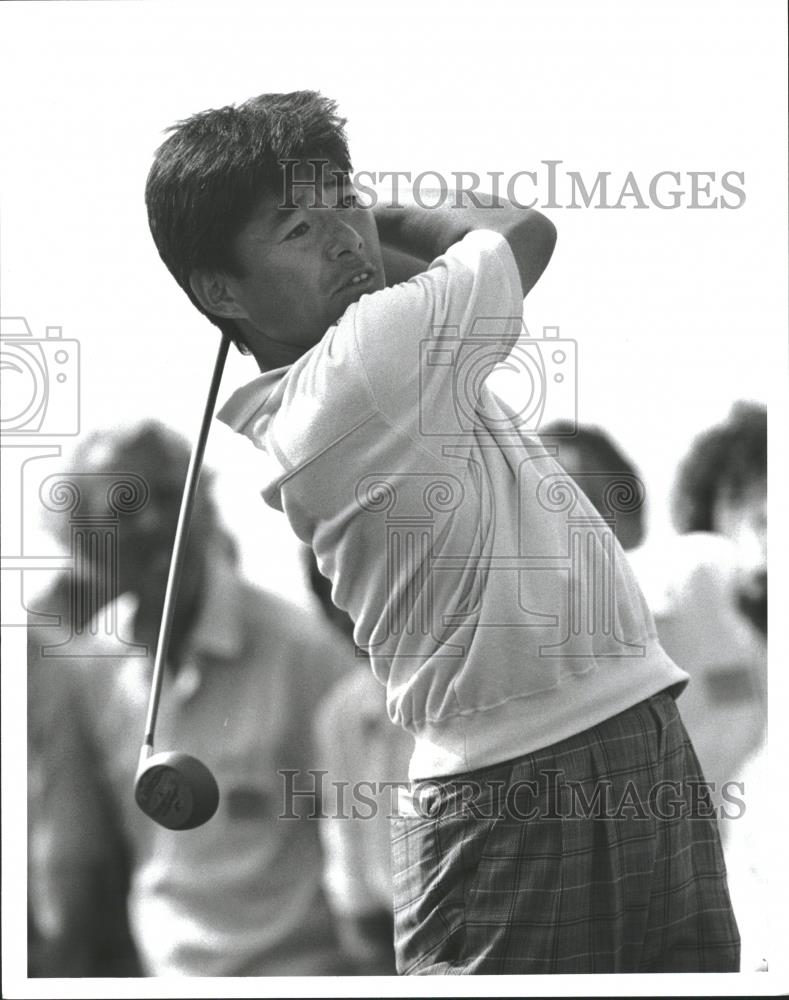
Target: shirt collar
247,402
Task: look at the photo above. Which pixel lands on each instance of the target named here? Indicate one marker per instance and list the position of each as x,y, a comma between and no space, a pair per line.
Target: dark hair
214,168
722,462
599,453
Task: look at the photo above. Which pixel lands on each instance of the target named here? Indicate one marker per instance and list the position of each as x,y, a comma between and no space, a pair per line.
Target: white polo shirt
501,617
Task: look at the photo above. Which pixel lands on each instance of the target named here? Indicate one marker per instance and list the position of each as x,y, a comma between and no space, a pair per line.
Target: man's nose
342,238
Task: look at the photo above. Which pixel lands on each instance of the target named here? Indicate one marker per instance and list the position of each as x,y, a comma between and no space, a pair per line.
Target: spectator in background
708,591
362,749
591,457
707,588
722,488
241,895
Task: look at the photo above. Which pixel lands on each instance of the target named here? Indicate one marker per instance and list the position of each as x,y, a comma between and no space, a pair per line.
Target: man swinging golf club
417,490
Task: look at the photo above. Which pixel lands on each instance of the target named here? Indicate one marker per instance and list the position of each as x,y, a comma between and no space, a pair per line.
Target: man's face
303,265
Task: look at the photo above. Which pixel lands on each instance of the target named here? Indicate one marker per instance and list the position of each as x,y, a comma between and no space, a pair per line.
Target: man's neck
267,350
274,354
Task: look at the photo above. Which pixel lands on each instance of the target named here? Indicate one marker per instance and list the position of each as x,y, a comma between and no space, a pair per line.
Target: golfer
555,822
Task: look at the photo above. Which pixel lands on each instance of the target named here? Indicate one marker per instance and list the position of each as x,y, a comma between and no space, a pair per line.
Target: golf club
175,789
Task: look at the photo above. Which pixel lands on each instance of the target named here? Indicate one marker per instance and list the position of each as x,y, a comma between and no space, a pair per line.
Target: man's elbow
532,238
549,236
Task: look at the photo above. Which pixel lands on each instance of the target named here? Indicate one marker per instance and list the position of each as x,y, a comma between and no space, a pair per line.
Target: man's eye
297,231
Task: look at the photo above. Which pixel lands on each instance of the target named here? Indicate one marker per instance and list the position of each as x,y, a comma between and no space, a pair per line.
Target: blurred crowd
260,688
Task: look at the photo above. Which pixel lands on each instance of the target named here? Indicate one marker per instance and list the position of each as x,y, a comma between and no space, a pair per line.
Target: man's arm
401,266
426,233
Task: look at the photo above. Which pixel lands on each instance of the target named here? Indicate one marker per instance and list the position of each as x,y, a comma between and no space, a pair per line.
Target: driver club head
176,790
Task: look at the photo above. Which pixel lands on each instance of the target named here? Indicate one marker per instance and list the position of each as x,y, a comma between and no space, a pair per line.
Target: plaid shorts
598,854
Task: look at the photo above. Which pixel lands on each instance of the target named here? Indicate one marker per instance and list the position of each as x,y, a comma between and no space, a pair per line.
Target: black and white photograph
388,396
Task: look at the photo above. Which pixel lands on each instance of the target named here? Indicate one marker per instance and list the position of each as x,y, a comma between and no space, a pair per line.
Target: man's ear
213,291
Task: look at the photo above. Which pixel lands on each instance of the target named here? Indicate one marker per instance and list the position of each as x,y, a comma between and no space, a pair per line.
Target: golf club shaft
179,546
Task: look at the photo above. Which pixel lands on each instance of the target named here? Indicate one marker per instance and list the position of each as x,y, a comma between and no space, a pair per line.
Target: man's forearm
401,266
426,233
422,233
